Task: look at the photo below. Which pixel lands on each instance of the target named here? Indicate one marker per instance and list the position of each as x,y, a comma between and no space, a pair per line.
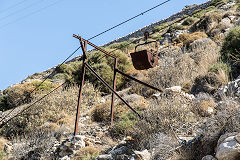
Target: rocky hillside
197,116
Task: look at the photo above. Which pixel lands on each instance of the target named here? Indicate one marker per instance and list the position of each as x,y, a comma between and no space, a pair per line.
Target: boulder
209,157
174,89
228,147
142,155
104,157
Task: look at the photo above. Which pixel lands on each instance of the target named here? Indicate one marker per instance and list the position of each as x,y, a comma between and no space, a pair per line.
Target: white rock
228,149
226,20
79,138
105,157
103,100
175,89
142,155
65,158
209,157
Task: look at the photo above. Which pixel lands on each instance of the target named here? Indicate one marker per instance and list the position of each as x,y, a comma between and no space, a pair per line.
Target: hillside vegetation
193,118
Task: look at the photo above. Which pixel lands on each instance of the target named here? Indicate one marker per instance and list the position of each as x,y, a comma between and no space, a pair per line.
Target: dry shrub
37,145
188,38
88,153
20,93
182,68
141,89
208,22
203,106
102,112
226,120
208,83
54,108
164,115
222,76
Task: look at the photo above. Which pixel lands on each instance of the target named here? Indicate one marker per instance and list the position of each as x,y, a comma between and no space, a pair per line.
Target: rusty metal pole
114,87
84,47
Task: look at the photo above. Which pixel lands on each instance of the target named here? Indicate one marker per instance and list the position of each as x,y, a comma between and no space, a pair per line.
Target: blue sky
36,35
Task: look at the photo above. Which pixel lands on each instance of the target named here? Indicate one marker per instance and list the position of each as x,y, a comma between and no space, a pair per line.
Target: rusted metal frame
114,87
84,48
91,44
112,90
143,83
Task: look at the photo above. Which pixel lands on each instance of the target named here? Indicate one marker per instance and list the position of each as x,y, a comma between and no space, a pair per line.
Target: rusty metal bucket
144,59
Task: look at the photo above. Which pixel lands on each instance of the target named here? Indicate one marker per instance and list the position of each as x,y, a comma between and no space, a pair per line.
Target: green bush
3,103
218,2
156,36
210,8
125,125
189,21
230,51
220,66
175,27
198,13
2,155
20,93
103,65
123,46
160,27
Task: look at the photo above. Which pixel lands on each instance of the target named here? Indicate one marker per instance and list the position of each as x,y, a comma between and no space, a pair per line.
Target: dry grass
86,153
222,76
225,120
208,22
20,93
204,107
58,107
101,112
34,146
180,68
188,38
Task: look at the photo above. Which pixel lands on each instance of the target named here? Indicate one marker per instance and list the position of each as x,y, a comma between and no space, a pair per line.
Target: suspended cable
42,82
20,10
2,120
30,14
129,19
15,5
79,46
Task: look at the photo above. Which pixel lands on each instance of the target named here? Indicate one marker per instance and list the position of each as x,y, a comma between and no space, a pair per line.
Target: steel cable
80,46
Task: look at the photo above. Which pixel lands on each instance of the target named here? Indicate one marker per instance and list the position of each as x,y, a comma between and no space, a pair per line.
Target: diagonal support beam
112,90
143,83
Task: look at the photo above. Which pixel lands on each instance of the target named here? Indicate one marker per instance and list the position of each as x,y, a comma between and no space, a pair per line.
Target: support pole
111,89
84,48
114,87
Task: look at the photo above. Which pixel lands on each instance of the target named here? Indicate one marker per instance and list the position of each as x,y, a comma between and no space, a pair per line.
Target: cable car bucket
144,59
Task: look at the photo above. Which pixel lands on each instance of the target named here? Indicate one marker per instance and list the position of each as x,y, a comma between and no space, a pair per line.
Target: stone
209,157
226,20
119,151
68,144
65,158
62,153
142,155
229,148
63,148
175,89
104,157
79,137
223,137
